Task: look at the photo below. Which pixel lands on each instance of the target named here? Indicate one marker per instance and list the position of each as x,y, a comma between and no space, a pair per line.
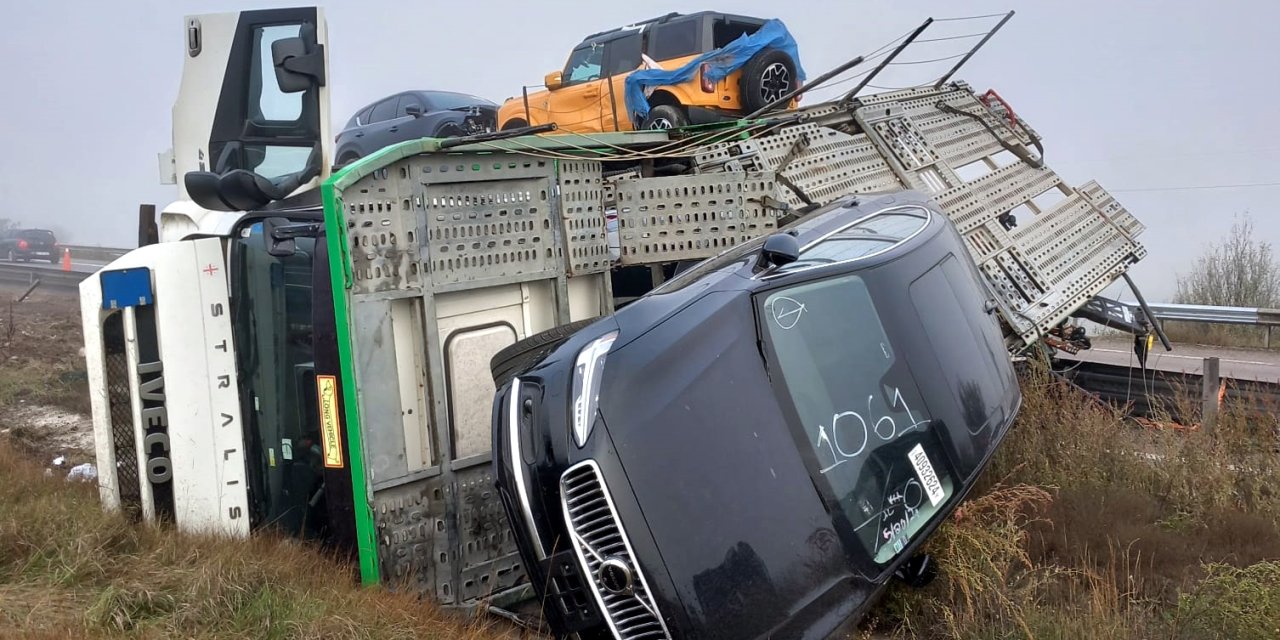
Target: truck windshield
871,443
271,311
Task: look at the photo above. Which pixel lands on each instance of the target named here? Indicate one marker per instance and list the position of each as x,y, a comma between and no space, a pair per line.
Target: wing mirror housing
298,66
414,110
553,80
778,249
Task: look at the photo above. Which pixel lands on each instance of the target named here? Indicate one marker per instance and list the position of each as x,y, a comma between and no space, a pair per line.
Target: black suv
412,115
29,244
753,449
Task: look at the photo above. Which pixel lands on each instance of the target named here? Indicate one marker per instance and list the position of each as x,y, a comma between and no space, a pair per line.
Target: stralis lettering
155,420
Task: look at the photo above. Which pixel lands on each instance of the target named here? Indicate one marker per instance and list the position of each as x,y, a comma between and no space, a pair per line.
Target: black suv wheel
767,76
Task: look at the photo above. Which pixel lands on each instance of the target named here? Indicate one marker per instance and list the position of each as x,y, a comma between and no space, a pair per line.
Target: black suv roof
598,37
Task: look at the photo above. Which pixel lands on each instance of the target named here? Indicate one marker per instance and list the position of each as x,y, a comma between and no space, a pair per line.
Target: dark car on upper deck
411,115
28,244
753,449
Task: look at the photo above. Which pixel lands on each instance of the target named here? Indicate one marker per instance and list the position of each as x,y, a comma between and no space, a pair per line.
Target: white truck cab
169,401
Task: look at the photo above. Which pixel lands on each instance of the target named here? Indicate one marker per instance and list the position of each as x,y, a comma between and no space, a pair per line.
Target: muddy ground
44,394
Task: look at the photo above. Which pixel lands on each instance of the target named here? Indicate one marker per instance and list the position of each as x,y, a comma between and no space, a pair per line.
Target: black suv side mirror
779,249
414,110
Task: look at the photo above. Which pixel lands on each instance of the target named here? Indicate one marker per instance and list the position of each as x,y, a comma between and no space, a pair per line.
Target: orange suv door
576,104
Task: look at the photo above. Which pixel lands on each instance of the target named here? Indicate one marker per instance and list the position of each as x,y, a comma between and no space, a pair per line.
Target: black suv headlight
587,372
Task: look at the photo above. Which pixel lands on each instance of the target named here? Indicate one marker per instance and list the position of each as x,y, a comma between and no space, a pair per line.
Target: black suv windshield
873,448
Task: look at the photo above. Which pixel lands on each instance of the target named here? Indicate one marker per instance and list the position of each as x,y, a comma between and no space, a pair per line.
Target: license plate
928,477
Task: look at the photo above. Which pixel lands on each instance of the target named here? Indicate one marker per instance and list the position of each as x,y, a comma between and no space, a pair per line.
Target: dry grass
1092,527
1245,337
68,569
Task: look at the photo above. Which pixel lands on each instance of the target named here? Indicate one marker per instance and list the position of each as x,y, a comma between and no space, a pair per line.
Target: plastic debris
83,472
59,461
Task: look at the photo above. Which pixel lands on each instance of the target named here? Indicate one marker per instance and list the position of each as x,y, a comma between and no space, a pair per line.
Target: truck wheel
767,76
665,116
511,359
514,123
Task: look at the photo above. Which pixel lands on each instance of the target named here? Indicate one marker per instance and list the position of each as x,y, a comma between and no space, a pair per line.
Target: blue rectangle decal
126,288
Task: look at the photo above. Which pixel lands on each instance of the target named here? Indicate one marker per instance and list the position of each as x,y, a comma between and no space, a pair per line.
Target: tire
514,123
348,159
53,260
513,358
449,131
767,76
665,116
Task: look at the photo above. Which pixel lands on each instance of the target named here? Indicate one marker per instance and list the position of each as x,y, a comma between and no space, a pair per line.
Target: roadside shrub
1232,602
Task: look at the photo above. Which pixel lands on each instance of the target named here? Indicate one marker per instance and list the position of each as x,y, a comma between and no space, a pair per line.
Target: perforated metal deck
1044,247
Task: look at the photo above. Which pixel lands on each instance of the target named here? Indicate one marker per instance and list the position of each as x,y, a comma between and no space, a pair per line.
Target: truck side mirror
553,80
297,69
280,247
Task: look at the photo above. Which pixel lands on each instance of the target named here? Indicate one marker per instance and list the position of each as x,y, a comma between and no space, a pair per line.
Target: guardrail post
1268,343
1210,386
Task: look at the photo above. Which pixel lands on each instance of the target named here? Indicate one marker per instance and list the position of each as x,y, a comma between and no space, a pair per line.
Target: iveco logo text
155,418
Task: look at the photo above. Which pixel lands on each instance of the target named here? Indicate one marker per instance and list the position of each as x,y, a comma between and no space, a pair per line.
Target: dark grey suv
411,115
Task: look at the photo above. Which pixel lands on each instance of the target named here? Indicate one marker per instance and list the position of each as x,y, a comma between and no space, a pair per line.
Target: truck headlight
587,372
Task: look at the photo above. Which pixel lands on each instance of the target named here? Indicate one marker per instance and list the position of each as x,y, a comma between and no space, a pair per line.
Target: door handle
360,134
393,129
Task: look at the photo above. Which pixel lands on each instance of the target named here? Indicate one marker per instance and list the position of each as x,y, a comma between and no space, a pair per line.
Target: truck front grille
598,537
121,414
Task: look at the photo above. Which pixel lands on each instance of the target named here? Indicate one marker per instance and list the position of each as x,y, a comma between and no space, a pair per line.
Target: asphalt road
78,266
1240,364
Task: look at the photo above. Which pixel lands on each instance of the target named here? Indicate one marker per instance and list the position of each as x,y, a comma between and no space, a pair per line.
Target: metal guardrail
24,275
1269,318
1217,315
94,254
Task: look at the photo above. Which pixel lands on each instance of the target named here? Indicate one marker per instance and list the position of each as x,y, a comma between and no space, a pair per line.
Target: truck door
254,100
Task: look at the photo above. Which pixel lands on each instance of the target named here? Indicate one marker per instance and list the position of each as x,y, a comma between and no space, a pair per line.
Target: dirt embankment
44,395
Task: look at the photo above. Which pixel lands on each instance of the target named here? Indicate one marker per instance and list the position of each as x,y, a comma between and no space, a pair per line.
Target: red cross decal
210,270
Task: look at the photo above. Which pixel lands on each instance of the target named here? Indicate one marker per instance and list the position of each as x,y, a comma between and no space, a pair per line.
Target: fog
1166,104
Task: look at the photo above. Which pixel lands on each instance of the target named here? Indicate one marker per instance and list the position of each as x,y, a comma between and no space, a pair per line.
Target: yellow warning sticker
330,427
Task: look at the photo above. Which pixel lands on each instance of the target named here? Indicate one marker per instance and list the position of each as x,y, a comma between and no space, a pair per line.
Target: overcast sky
1146,97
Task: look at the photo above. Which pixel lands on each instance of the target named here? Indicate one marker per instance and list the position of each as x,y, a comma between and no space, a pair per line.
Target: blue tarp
723,61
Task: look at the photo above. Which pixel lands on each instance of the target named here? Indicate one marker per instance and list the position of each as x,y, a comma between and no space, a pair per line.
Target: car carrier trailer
316,361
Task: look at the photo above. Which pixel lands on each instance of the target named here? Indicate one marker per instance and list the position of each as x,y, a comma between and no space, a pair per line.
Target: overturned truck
347,364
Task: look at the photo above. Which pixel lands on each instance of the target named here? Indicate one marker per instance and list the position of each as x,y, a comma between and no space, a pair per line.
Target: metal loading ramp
1045,248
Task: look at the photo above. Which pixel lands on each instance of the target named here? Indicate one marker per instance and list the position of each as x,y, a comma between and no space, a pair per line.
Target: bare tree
1238,272
7,224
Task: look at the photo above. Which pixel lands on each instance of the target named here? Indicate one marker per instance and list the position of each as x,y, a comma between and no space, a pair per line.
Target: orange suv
590,93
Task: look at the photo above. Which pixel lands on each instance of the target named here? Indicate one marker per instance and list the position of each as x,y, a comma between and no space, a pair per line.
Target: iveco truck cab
200,347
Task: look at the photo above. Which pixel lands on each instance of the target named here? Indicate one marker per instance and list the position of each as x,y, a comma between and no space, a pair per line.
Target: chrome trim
643,595
928,217
517,467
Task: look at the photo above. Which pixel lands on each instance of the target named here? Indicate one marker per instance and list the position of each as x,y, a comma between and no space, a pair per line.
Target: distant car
411,115
29,244
755,448
588,95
